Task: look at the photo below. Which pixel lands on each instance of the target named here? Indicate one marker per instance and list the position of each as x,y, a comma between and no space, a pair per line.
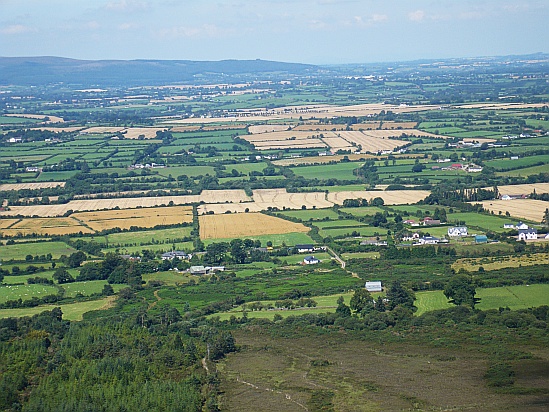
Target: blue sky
306,31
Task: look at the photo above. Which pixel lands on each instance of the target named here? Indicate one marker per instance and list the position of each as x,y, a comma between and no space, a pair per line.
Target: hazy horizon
321,32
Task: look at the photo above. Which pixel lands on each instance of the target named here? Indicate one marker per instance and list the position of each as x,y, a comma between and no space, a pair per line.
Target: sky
301,31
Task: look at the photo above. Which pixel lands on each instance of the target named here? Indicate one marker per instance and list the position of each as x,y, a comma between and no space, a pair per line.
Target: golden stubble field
528,209
207,196
245,224
55,226
524,189
390,197
31,186
145,217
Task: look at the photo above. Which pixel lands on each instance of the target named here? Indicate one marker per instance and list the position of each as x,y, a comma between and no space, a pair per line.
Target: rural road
336,257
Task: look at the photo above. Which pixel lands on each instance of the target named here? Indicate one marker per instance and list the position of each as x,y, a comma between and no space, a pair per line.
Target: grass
88,288
362,211
168,277
360,255
25,292
514,297
145,236
18,251
340,171
298,259
362,230
487,222
71,311
528,171
311,214
341,223
289,239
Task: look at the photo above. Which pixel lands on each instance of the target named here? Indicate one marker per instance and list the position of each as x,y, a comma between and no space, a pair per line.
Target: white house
508,225
527,234
413,236
310,260
521,225
457,231
429,240
374,286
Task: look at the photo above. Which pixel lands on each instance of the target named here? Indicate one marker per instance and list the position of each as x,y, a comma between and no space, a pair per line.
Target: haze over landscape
315,205
306,31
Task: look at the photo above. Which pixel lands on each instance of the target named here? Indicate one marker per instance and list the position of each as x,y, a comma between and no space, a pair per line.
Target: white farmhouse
457,231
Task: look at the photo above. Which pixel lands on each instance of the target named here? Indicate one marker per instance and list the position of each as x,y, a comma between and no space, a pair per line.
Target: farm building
197,270
374,286
481,239
428,221
310,260
175,254
508,225
457,231
527,234
410,236
304,248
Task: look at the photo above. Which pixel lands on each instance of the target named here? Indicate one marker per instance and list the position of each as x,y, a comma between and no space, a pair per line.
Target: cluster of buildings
469,168
146,166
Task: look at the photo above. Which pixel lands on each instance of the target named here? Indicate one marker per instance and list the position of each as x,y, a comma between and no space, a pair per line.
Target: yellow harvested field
245,224
307,112
5,223
370,142
220,208
147,132
146,217
298,144
101,130
500,262
337,143
280,198
479,140
524,189
528,209
47,226
320,127
501,106
390,197
207,196
52,119
224,196
266,128
30,186
398,125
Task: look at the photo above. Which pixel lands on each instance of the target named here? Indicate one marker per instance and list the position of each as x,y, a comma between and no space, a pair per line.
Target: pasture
25,292
288,239
514,297
18,251
245,225
71,311
311,214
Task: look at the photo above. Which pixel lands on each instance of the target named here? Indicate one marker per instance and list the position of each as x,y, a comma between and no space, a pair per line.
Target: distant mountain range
44,70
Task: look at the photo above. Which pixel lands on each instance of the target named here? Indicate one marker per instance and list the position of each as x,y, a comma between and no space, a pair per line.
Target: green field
311,214
514,297
362,211
341,223
18,251
168,277
487,222
88,288
144,237
340,171
362,230
71,311
289,239
527,171
298,259
25,292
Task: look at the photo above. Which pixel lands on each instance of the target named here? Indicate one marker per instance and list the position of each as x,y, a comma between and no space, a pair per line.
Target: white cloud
17,29
127,26
92,25
126,5
204,31
417,15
